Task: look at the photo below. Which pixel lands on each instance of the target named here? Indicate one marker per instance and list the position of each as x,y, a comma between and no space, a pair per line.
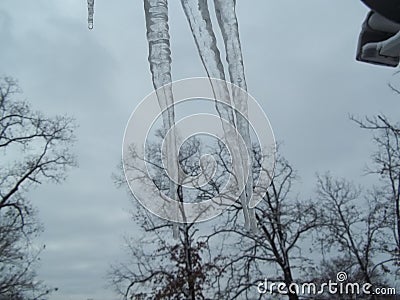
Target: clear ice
90,13
198,16
156,13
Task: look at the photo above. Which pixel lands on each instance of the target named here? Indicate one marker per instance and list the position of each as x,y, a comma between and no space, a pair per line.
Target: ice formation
199,19
198,16
90,13
156,12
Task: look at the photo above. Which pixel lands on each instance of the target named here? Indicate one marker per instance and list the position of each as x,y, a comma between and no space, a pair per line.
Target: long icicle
199,20
227,20
156,12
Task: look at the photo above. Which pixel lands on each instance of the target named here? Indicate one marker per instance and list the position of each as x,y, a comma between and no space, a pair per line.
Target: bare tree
386,164
360,227
160,267
347,221
283,220
356,223
35,149
231,261
352,223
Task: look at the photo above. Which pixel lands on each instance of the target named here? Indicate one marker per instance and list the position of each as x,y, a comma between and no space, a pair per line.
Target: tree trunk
289,280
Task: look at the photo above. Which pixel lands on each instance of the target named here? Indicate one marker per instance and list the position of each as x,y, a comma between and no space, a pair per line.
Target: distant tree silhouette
386,165
34,149
355,228
356,224
224,264
159,266
283,221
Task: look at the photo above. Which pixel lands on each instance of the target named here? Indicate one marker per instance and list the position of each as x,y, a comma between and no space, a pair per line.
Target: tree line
342,227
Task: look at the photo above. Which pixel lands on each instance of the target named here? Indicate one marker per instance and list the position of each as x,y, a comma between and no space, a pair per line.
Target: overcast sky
299,59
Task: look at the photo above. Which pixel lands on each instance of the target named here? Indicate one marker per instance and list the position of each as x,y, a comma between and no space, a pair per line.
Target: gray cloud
299,58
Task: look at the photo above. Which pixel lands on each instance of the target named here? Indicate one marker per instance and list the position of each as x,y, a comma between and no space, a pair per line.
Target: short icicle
90,13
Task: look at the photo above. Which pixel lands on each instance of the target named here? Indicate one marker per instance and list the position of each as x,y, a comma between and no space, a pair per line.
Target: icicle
156,12
199,20
90,13
227,20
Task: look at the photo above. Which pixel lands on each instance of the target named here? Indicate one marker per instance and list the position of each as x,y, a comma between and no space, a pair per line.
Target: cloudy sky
299,59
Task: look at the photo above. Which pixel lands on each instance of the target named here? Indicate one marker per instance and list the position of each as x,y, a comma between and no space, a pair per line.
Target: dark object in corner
375,30
390,9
